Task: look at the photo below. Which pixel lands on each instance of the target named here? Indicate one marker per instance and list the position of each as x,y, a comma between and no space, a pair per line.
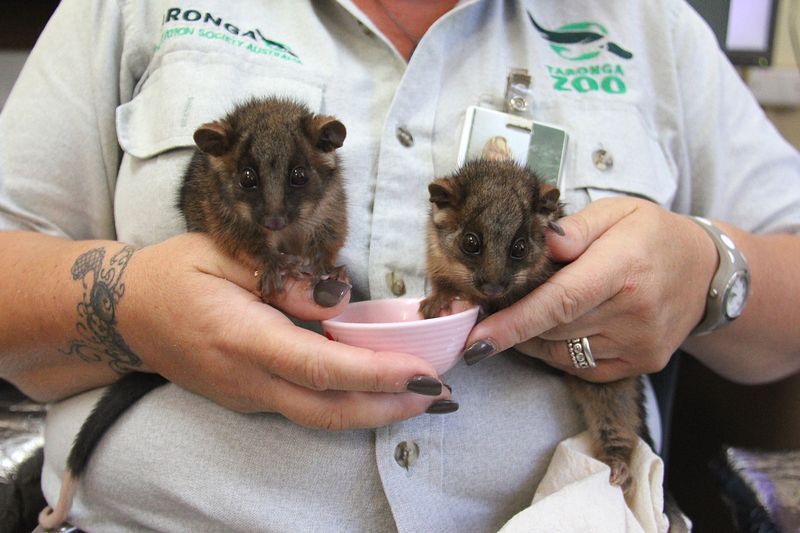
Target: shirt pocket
612,151
189,89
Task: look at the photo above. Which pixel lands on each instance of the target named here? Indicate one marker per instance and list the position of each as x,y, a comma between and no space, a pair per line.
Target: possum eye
297,177
248,179
519,249
470,244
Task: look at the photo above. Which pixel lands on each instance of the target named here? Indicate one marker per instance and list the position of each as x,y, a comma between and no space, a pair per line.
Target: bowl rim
429,322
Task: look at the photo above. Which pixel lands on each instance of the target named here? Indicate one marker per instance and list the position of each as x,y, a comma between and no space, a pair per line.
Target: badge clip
518,91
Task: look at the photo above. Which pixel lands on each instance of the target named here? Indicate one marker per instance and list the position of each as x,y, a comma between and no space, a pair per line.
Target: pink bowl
395,325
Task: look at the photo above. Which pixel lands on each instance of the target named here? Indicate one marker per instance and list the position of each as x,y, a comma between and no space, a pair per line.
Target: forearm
49,342
764,343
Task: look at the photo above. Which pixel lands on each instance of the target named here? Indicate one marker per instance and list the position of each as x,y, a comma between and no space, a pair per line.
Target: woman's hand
192,314
635,285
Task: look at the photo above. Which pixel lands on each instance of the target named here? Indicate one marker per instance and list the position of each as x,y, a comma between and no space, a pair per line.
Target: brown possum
486,244
264,183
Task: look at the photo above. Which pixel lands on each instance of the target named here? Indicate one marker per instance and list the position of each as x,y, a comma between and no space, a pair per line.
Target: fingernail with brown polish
479,351
424,385
555,226
329,292
442,407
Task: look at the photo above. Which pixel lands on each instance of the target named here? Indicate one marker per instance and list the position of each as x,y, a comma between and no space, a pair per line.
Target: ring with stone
581,353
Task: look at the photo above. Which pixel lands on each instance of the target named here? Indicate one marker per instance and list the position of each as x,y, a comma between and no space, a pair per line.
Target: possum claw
339,273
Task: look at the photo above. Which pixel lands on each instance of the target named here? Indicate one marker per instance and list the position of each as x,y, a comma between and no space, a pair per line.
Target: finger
301,299
590,324
334,410
312,361
609,366
569,294
305,298
556,352
586,226
337,410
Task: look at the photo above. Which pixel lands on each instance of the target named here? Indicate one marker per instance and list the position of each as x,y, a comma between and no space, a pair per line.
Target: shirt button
406,454
396,284
602,159
405,137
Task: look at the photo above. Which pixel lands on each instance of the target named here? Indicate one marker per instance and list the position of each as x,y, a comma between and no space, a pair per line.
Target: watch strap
731,263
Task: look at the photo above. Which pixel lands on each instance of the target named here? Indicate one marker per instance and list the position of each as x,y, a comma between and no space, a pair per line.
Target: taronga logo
581,41
594,60
192,22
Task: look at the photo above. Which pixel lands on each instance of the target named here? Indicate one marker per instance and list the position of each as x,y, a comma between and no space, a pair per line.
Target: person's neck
404,22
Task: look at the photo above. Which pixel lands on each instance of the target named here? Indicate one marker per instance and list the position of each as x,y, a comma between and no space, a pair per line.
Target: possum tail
112,404
51,518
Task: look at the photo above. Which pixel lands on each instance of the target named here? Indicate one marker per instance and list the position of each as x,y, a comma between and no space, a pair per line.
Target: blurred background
709,414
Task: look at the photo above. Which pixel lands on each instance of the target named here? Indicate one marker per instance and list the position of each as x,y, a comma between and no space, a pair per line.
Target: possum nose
493,290
275,223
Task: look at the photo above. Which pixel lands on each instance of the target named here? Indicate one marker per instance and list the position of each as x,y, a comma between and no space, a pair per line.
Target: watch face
736,296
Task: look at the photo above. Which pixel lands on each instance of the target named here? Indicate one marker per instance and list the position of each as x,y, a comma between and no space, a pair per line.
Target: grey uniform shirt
96,134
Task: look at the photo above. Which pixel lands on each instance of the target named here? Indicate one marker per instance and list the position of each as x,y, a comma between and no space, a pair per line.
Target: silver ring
580,353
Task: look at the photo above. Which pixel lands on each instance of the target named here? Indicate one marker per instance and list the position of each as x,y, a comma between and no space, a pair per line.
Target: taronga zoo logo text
581,43
205,25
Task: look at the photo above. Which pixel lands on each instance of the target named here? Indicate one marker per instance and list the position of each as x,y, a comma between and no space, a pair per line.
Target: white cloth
575,495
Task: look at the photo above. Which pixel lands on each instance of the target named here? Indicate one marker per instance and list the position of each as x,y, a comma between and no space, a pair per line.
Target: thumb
306,300
575,289
586,226
563,298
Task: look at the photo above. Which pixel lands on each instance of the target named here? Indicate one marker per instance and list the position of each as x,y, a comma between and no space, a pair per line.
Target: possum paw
271,282
434,305
620,474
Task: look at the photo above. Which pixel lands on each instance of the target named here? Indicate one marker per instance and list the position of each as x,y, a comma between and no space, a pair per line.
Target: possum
486,244
264,183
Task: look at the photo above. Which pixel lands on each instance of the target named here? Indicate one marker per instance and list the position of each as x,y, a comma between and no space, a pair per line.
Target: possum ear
444,193
213,138
445,196
328,133
548,208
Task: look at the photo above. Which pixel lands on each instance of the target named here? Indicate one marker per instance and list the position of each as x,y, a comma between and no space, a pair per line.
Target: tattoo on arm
103,288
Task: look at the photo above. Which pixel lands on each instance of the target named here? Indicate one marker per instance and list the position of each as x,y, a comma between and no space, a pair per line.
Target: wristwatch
730,286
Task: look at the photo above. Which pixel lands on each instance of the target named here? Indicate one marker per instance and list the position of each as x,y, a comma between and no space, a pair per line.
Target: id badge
491,134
